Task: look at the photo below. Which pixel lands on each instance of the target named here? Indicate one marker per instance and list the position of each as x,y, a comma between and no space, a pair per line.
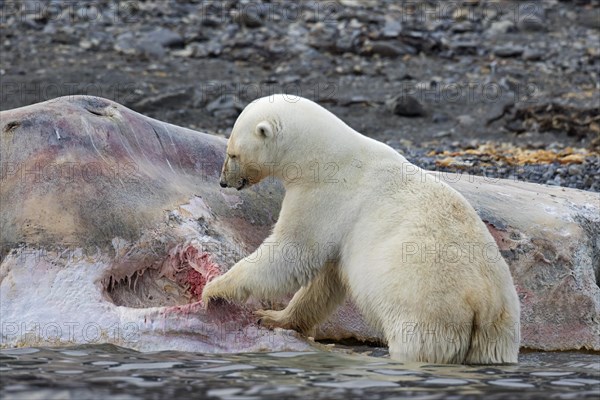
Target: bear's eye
232,156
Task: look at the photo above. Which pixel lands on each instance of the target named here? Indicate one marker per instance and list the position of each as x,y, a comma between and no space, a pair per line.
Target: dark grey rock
164,37
575,169
65,36
322,37
461,47
346,43
516,126
175,98
225,106
150,49
405,105
389,49
214,48
391,29
442,134
465,120
88,13
440,117
384,49
248,18
531,17
199,50
126,44
590,19
508,51
533,54
49,29
501,27
462,27
211,21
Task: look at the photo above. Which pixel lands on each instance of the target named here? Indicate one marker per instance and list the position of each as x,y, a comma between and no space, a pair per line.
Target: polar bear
359,219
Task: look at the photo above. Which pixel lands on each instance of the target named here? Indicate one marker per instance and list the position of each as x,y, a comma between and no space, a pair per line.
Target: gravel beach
496,88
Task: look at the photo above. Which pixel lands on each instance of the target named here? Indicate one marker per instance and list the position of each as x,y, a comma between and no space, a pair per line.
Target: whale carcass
113,222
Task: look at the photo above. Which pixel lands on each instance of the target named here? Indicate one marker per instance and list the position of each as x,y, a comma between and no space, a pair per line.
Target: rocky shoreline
496,88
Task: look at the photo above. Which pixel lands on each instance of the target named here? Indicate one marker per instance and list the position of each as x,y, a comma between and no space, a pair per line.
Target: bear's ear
264,130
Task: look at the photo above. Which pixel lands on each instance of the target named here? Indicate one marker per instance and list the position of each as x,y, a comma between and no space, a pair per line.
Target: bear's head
252,149
277,132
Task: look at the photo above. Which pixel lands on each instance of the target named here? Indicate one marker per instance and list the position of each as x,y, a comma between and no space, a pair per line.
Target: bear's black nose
223,184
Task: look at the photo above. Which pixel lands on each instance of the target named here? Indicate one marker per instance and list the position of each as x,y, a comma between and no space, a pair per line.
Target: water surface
111,372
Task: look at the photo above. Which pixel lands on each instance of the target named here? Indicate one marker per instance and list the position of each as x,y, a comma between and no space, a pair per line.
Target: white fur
360,219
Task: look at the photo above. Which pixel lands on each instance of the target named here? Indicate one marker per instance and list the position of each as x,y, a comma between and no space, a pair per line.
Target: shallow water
110,372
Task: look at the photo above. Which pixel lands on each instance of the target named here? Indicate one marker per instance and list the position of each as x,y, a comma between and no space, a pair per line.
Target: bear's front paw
273,319
221,288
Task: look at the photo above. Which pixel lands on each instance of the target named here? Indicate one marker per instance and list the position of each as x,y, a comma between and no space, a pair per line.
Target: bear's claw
272,319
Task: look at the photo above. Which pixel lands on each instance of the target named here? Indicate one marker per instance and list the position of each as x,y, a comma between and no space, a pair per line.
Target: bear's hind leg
441,343
310,305
495,342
